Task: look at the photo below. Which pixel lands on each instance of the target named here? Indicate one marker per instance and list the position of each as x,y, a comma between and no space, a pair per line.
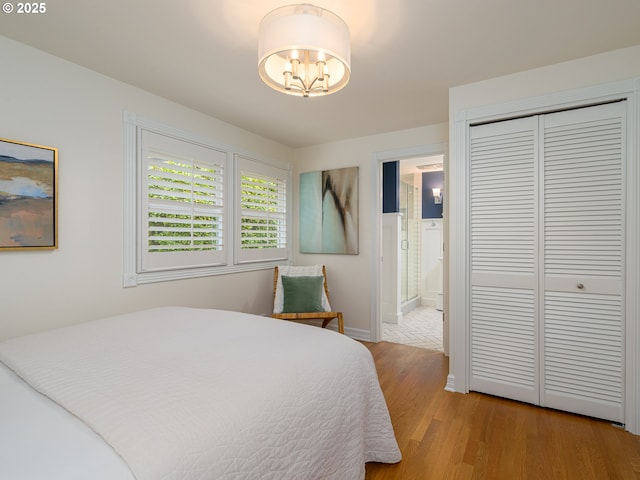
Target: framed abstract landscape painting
28,196
329,211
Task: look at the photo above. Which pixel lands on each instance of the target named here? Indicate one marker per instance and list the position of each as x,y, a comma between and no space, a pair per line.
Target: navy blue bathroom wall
391,187
431,180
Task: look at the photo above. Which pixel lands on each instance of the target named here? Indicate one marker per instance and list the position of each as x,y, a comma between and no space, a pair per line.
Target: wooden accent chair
326,317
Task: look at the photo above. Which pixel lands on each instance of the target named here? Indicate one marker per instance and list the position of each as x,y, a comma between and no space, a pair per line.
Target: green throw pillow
302,294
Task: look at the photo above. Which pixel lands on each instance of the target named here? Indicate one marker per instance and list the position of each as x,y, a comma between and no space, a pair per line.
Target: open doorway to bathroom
412,243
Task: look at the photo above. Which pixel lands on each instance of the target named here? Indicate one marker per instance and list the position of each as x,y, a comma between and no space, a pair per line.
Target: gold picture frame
28,196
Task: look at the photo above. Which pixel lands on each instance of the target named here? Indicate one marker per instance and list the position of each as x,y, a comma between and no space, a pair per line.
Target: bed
184,393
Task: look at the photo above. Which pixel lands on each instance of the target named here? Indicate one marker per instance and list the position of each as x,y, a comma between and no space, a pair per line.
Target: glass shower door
410,240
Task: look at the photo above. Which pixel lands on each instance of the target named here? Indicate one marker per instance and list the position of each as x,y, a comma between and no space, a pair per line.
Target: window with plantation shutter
194,207
261,223
181,205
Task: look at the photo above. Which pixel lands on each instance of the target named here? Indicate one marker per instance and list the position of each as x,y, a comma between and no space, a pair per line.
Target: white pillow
297,271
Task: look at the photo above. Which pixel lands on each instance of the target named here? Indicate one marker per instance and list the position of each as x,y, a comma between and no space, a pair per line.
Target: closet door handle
580,286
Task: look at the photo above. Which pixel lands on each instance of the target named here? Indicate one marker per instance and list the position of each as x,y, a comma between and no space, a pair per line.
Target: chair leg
326,321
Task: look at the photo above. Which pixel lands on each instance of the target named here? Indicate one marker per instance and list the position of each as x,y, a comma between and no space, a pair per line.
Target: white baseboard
392,318
451,383
358,334
355,333
428,302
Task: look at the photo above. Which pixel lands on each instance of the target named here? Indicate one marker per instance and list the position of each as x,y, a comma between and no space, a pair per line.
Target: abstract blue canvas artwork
329,211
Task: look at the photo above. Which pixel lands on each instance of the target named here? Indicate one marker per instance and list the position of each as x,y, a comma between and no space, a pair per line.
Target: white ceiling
433,163
405,54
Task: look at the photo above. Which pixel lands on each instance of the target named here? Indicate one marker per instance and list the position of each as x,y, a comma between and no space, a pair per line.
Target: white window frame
275,175
134,272
157,152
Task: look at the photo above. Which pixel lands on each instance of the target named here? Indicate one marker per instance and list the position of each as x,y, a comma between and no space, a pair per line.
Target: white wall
48,101
617,65
350,276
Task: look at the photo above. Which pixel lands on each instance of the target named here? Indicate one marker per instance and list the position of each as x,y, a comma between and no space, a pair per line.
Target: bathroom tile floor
421,327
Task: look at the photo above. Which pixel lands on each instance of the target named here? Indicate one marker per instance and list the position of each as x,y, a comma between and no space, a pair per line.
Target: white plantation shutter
190,211
261,230
503,193
182,204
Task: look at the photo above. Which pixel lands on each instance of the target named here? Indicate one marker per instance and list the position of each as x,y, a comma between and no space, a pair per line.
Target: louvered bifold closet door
582,328
503,213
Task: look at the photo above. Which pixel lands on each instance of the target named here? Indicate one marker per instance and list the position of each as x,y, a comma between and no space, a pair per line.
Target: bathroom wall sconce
437,196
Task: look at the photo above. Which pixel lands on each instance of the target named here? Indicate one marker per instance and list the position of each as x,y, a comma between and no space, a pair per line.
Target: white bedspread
39,440
186,393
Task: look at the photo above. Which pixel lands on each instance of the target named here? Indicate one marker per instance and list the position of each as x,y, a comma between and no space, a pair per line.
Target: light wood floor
446,435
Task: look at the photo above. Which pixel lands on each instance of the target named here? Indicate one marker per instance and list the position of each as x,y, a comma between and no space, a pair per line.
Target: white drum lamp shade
304,50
